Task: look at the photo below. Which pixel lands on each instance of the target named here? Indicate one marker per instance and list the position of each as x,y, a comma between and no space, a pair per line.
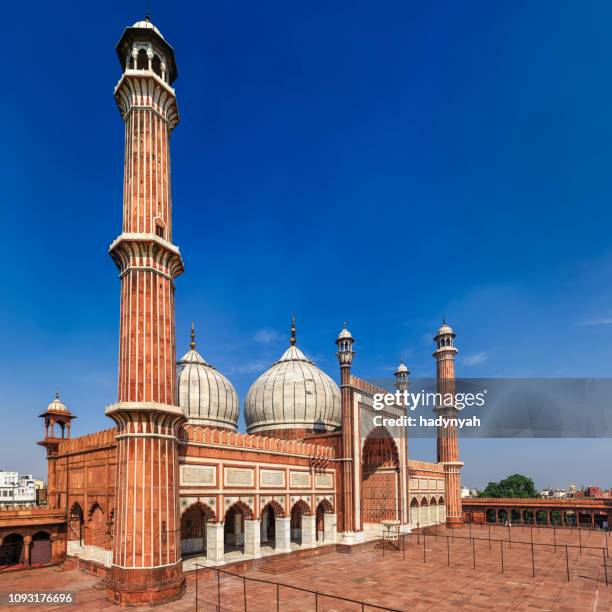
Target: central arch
380,477
193,528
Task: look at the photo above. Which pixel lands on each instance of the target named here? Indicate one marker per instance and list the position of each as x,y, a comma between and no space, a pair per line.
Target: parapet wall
234,440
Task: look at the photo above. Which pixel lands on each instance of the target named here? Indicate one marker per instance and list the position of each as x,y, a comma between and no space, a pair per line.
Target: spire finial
148,13
444,320
57,395
192,344
292,339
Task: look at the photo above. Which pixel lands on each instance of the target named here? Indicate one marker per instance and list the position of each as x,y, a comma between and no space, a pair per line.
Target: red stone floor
422,580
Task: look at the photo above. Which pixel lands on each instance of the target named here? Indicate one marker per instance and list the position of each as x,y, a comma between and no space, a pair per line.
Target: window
159,230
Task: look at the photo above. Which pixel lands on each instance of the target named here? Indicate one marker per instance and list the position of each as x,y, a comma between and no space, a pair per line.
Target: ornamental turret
401,377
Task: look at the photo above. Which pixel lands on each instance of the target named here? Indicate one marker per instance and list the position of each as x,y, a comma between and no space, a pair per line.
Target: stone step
282,564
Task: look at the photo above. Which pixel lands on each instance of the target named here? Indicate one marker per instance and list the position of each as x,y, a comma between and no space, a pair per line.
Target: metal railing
227,601
431,535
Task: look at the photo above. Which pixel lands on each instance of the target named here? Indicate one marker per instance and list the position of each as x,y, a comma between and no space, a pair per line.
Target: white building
17,489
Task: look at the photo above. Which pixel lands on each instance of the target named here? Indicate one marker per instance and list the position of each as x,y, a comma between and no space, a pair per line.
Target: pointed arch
279,511
414,502
325,505
241,507
424,502
302,506
433,502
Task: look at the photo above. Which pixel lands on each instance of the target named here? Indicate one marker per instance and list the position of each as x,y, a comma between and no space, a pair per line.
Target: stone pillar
264,526
283,534
251,538
214,542
329,527
26,550
309,531
238,533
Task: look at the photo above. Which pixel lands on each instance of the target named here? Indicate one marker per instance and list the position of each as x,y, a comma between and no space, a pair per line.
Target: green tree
516,485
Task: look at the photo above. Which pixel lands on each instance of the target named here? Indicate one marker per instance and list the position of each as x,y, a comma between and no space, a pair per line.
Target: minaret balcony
146,251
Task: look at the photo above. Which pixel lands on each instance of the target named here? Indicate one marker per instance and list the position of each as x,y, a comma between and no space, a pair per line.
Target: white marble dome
57,405
147,25
293,394
206,396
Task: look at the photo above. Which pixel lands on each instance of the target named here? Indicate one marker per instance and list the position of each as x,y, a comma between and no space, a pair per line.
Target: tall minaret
146,532
345,356
448,443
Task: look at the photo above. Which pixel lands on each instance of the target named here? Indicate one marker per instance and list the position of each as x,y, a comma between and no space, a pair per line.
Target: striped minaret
448,443
146,565
345,356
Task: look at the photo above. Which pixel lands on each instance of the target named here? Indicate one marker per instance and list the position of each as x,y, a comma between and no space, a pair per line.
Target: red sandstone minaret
146,533
448,443
345,356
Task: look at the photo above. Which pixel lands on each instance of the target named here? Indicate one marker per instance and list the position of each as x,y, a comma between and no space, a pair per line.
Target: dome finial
292,340
57,395
192,344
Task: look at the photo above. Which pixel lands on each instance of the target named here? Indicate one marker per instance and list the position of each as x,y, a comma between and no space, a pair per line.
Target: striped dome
206,396
293,394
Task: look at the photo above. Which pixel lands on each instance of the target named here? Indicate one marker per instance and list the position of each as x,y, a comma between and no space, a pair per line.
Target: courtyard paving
417,578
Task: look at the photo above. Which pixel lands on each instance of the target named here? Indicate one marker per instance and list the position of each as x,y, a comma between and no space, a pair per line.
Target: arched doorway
269,513
40,549
299,509
75,523
193,528
424,513
11,551
414,512
324,507
97,533
233,528
380,478
491,516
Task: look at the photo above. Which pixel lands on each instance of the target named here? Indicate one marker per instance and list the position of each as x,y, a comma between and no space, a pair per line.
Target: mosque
173,482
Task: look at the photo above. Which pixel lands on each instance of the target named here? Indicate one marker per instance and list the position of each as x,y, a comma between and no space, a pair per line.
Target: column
238,533
214,543
264,526
329,527
309,531
26,550
251,538
283,534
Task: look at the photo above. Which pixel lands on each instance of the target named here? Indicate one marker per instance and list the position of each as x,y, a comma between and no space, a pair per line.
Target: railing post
580,539
316,602
502,555
532,562
489,536
555,536
277,597
424,554
567,563
448,551
404,546
244,593
196,588
603,553
219,590
474,553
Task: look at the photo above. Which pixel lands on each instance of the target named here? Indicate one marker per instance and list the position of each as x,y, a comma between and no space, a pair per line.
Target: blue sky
381,163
